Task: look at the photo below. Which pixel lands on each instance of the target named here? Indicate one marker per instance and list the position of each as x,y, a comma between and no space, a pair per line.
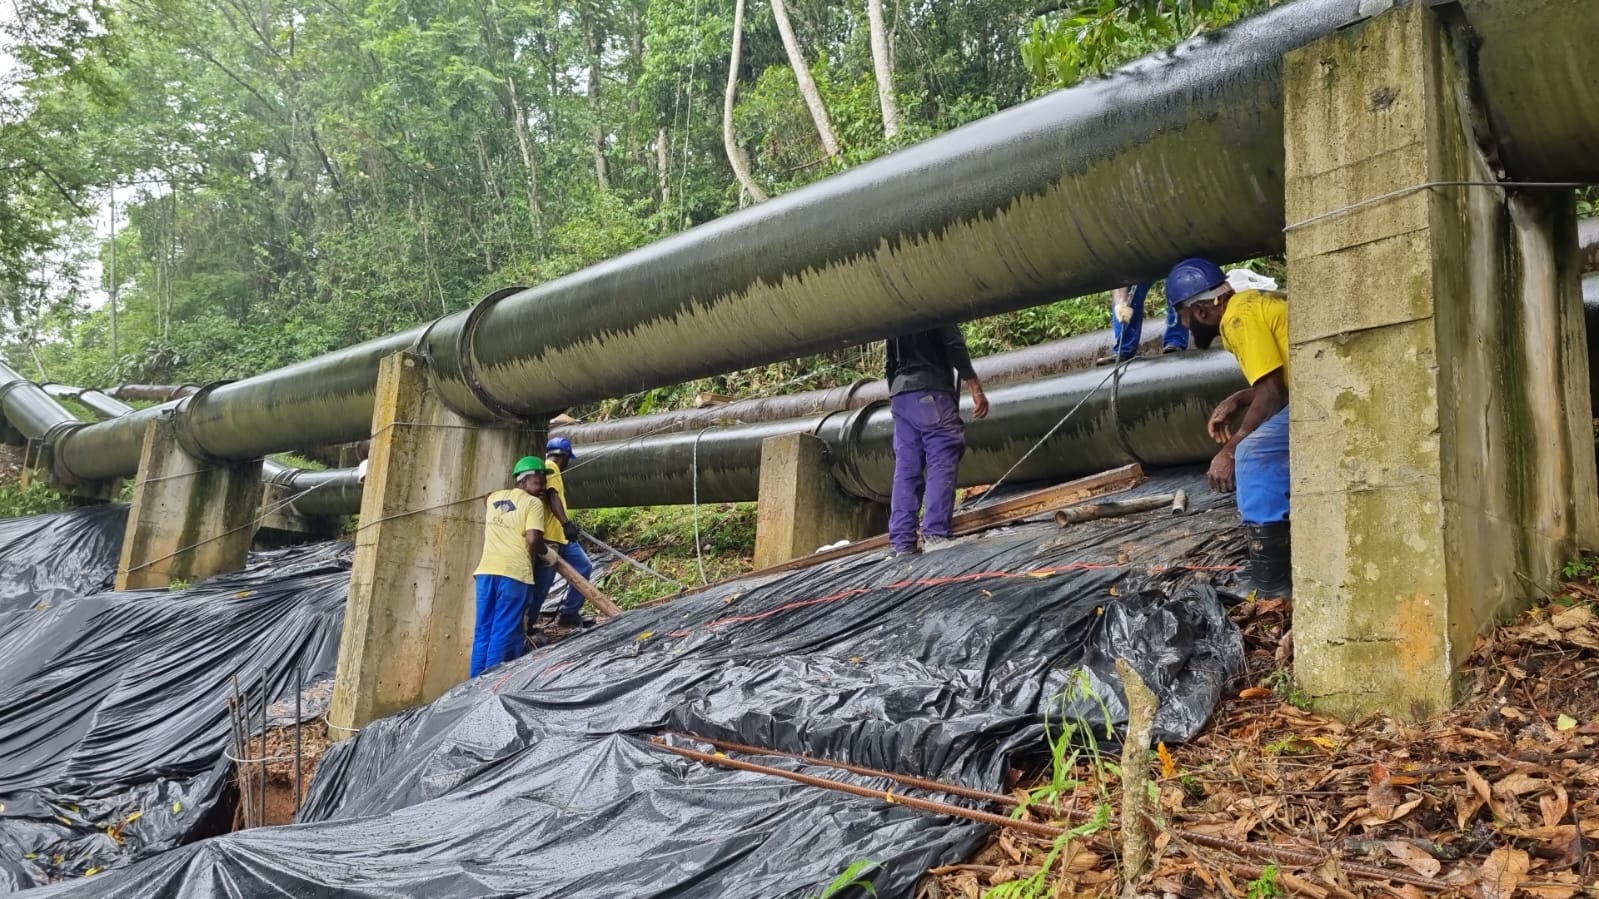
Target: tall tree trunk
597,124
802,74
525,144
663,169
116,352
735,153
883,65
635,72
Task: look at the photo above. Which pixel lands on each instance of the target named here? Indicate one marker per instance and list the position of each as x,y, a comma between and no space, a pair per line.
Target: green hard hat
528,465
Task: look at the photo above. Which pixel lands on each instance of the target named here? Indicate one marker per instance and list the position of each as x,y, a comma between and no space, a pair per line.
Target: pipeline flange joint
182,413
6,388
845,457
1116,414
49,440
465,354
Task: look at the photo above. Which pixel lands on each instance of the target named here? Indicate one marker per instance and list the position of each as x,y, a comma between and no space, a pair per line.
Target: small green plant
1065,753
851,878
1281,682
179,584
1265,886
1578,569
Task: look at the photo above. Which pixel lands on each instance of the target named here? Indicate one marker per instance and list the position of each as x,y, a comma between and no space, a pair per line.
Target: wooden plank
1027,505
1047,500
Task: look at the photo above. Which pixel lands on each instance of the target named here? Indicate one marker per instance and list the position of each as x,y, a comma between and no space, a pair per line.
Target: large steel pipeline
1026,364
31,411
99,402
159,393
1083,189
307,492
1151,411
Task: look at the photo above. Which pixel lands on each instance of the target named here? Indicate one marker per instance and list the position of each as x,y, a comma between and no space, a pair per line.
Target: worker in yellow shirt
513,539
1253,326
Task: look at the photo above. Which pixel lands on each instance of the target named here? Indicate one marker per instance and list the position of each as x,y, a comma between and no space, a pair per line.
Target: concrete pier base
800,506
1441,443
408,623
191,517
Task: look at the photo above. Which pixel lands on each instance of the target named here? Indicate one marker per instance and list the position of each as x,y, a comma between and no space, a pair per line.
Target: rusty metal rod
299,687
890,797
1302,857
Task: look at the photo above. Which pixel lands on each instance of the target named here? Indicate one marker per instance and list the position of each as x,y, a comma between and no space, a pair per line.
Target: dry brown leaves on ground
1497,799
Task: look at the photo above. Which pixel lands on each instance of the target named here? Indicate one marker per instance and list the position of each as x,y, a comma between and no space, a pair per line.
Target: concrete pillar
800,506
1442,449
408,623
191,517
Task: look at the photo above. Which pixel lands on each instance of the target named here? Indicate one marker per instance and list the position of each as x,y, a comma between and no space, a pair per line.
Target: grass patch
294,460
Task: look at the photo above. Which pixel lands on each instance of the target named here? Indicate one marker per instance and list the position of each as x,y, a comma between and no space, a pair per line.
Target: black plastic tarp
113,707
46,558
538,779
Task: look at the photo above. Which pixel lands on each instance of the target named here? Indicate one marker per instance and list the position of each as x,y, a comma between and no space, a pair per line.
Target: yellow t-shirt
1255,329
554,531
508,516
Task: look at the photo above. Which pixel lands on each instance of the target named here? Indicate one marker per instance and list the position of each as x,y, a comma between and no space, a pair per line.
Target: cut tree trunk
883,65
735,153
802,74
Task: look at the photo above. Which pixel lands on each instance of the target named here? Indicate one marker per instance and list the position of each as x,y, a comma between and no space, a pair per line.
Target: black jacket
928,360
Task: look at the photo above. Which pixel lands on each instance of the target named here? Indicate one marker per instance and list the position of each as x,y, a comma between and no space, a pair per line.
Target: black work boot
1270,561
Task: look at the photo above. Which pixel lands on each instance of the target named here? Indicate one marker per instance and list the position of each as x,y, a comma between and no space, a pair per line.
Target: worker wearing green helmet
513,541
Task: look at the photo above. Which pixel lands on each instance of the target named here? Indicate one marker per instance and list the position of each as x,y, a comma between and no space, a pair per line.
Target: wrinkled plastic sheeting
48,558
113,707
537,779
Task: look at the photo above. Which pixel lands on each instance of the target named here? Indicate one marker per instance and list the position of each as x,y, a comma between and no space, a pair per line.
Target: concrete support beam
800,506
191,517
1442,448
408,623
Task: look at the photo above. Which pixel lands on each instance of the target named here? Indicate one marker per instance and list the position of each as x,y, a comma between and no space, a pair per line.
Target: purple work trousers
929,441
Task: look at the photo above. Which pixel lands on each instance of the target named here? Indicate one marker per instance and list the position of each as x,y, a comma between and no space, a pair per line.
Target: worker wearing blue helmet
559,456
1253,326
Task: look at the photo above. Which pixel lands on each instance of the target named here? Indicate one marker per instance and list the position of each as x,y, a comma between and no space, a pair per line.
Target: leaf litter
1498,798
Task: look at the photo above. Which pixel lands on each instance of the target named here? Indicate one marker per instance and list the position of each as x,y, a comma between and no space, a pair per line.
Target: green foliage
666,535
1265,886
304,178
851,878
178,585
1090,38
1581,568
37,498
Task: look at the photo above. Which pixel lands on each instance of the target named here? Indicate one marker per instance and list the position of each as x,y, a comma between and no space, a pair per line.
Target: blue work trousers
578,559
1130,335
499,633
1261,467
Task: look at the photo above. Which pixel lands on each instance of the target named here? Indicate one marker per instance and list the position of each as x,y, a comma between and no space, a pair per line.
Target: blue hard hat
1193,279
560,445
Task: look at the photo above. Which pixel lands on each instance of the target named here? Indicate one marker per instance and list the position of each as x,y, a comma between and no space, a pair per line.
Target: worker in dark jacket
929,438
